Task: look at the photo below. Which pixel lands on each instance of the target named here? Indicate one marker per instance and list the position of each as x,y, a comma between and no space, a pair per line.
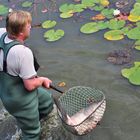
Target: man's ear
21,34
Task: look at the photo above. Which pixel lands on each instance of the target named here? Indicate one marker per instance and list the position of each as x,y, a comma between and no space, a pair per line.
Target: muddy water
79,59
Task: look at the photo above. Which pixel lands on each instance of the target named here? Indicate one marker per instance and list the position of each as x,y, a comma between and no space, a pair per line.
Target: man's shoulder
21,50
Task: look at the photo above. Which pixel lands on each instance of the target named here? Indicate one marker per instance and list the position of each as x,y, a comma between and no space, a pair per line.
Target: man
21,90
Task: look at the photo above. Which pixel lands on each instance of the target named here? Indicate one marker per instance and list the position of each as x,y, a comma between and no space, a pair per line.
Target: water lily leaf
98,8
114,35
66,15
98,17
102,25
79,7
89,28
66,8
48,24
53,35
116,24
3,9
133,18
134,33
134,78
137,45
108,13
125,30
138,1
88,3
27,4
132,74
105,3
138,24
127,72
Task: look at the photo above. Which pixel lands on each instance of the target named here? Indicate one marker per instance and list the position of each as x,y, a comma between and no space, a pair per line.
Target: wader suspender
6,47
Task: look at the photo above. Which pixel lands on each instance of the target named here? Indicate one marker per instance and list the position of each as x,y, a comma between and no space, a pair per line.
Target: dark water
79,59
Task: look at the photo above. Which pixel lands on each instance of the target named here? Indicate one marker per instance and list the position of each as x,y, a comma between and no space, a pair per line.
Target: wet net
82,108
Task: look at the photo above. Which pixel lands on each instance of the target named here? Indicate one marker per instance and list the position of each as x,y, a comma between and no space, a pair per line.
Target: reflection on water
79,59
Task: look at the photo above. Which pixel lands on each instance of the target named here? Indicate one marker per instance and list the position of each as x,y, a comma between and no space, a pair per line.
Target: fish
81,115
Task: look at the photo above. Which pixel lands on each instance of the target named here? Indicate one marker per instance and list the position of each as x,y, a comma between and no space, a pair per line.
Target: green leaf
132,74
66,15
114,35
89,28
137,45
134,33
98,8
3,10
108,13
53,35
27,4
88,3
65,8
125,30
48,24
116,24
134,78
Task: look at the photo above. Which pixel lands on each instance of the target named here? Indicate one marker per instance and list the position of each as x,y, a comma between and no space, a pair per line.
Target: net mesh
80,97
81,109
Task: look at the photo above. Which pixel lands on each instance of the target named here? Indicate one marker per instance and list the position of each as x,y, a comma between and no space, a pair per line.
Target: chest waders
25,106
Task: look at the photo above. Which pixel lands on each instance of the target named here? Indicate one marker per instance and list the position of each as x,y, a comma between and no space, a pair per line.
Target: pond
81,60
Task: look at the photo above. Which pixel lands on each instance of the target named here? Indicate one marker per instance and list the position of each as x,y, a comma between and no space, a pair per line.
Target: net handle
56,101
53,87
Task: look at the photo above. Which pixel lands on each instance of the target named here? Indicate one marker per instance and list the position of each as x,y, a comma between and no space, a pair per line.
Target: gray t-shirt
19,60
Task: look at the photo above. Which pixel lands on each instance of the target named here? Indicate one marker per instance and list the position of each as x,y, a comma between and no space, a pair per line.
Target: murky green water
79,59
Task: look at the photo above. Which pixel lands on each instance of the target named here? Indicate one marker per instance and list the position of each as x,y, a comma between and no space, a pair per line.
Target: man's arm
33,83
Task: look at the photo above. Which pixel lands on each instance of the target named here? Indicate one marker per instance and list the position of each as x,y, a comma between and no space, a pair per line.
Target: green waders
25,106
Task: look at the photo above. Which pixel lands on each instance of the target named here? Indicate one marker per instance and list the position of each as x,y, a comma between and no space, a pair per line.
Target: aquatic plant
53,35
116,26
132,74
3,9
48,24
27,4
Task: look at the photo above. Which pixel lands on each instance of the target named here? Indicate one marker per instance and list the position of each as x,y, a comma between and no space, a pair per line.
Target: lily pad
98,8
27,4
133,18
125,30
116,24
104,3
48,24
93,27
134,33
53,35
108,13
114,35
3,9
66,8
132,74
66,15
137,45
89,28
88,3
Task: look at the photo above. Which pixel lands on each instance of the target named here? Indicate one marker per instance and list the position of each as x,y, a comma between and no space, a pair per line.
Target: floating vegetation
114,35
3,9
53,35
120,57
118,24
132,74
27,4
137,45
48,24
121,4
93,27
